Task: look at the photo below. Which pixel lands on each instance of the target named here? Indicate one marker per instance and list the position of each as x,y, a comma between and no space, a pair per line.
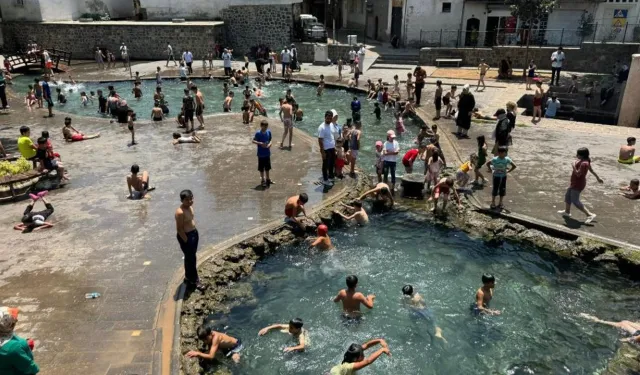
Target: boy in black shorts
47,161
262,139
189,108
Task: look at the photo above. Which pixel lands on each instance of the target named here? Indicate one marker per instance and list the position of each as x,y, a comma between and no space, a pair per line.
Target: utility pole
333,18
366,18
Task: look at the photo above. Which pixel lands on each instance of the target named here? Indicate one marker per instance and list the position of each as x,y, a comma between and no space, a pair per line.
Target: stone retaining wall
306,52
144,42
591,57
250,25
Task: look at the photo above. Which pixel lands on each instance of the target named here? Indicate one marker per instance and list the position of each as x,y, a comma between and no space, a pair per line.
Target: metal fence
629,33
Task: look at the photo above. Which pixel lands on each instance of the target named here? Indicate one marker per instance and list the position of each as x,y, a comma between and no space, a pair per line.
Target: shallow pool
313,106
537,333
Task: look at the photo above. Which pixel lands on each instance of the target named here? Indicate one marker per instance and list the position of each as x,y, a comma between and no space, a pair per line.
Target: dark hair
355,98
376,104
204,332
385,190
158,89
42,140
352,354
357,203
186,91
560,48
407,290
36,81
583,153
481,140
435,156
635,181
264,122
45,134
304,198
434,126
135,168
328,113
352,281
488,278
184,194
24,129
58,89
176,135
503,149
296,322
631,139
438,82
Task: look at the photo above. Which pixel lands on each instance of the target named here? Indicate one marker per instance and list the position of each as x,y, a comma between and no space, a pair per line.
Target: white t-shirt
188,57
123,50
362,51
390,147
226,57
169,49
559,56
285,56
183,72
328,133
352,55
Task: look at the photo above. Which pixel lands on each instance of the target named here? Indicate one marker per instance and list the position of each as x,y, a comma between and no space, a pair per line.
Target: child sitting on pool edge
294,328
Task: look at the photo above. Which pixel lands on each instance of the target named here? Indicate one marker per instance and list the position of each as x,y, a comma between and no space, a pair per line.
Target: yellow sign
397,3
619,22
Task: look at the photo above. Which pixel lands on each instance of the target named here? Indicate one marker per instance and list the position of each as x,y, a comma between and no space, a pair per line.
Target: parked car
307,28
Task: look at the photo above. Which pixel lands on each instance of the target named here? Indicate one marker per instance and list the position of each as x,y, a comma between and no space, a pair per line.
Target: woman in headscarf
466,103
15,355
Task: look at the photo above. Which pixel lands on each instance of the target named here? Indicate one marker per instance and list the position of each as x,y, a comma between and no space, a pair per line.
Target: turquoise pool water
537,333
313,106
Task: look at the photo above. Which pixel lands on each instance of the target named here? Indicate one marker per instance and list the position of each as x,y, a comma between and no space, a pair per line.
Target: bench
448,61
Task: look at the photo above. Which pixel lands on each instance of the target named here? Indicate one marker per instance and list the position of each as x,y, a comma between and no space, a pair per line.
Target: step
399,61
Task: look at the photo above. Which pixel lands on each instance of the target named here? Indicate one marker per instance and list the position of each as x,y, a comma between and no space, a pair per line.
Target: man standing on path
294,57
226,58
420,75
361,53
199,106
188,239
285,58
327,134
557,59
286,116
352,59
580,168
170,55
188,58
124,53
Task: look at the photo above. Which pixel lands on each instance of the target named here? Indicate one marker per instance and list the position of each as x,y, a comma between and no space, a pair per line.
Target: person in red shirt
580,169
410,157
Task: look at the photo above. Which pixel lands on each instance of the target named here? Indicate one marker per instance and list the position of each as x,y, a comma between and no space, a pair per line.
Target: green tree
530,12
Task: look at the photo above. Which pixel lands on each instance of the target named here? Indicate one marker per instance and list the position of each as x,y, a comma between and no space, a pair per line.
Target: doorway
492,28
375,31
472,33
396,22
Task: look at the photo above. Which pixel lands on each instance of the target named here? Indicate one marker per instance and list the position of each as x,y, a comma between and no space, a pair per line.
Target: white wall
604,18
30,11
59,10
355,13
427,15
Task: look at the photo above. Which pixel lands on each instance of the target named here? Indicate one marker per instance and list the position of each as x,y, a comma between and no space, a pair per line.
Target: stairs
401,59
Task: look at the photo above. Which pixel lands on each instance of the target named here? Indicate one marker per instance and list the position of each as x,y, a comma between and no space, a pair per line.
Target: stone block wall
144,42
306,52
590,57
247,26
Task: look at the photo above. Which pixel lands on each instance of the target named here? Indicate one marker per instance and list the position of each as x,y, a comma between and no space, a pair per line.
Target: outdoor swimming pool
313,106
538,332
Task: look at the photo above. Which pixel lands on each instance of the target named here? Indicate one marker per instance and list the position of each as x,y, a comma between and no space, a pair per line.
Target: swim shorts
287,123
635,159
199,110
354,154
236,349
136,195
77,137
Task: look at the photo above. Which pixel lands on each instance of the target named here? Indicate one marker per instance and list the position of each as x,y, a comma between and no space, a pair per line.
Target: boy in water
231,346
62,99
294,328
321,85
627,153
138,186
484,296
102,103
262,139
359,214
295,207
351,299
377,111
322,242
416,302
381,191
631,191
179,139
630,328
226,106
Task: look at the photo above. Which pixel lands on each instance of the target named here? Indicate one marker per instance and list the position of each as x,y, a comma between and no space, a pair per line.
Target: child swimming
294,328
416,303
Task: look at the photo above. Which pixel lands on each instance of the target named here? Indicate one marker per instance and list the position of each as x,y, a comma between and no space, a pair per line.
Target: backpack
188,103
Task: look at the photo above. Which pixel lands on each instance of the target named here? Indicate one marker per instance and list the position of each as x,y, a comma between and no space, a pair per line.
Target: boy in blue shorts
501,168
262,139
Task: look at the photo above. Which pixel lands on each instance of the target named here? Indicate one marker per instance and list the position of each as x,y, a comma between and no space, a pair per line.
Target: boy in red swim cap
322,242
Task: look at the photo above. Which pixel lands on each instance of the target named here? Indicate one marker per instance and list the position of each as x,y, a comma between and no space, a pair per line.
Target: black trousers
227,71
419,87
555,73
328,164
3,96
190,69
189,249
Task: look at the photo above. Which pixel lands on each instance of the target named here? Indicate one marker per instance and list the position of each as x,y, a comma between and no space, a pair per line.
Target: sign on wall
619,19
397,3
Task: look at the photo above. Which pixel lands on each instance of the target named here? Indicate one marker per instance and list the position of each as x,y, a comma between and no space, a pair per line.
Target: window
446,7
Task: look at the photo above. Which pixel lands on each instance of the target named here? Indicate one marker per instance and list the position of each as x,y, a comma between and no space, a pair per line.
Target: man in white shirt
188,58
352,58
390,151
361,54
327,134
170,55
557,58
183,72
124,54
285,58
226,58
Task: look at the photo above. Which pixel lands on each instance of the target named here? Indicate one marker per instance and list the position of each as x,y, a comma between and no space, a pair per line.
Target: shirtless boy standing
294,328
138,186
484,296
286,115
351,299
359,214
226,106
199,106
483,68
322,242
295,207
628,153
231,346
188,240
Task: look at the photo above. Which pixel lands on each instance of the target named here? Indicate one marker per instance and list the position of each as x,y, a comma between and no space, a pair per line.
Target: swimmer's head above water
352,281
355,353
322,230
295,326
407,290
488,280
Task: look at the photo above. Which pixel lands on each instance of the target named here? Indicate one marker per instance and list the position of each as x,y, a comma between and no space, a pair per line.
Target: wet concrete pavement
126,250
